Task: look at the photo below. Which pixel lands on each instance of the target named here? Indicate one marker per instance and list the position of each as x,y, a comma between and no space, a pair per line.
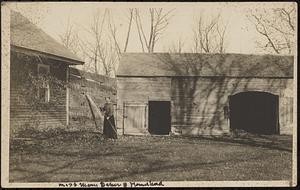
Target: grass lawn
81,156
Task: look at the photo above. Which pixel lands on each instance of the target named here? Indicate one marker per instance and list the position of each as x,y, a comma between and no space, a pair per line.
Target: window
44,89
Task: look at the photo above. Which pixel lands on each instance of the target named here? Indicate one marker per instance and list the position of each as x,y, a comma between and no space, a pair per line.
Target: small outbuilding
35,58
204,94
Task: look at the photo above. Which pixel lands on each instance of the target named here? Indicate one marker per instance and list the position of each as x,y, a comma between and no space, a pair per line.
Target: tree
177,47
118,50
209,36
103,49
113,32
159,20
96,47
129,29
276,27
70,38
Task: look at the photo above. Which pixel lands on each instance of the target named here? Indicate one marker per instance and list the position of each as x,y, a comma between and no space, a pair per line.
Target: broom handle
112,126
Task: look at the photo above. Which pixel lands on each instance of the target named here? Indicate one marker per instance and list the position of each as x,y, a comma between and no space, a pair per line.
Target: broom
97,115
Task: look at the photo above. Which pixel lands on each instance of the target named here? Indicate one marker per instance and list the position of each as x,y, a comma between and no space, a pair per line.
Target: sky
53,18
240,34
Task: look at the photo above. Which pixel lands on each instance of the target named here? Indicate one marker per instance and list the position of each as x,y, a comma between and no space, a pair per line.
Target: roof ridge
30,36
235,65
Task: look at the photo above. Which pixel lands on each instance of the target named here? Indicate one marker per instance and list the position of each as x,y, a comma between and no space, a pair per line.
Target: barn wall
286,108
199,104
23,115
140,90
97,86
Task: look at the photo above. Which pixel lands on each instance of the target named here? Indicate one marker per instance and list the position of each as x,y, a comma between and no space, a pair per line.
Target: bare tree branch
70,38
277,28
264,32
158,23
138,29
178,47
209,37
113,32
129,28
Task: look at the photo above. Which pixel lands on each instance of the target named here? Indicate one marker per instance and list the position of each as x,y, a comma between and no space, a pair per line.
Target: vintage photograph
198,94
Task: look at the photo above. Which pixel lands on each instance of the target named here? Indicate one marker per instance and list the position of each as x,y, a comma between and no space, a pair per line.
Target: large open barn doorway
255,112
159,117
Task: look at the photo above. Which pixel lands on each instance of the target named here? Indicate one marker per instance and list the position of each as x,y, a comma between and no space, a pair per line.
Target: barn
38,77
204,94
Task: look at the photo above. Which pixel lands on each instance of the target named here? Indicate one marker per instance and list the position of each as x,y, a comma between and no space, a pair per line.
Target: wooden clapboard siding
143,89
52,114
140,90
199,86
199,102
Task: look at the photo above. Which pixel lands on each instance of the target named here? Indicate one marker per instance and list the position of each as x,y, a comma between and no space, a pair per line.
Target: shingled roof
26,35
205,65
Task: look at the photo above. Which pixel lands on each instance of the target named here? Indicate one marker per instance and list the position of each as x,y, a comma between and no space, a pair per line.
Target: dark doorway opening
254,112
159,117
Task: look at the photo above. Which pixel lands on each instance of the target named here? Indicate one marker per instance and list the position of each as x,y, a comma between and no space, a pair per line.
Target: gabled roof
205,65
26,35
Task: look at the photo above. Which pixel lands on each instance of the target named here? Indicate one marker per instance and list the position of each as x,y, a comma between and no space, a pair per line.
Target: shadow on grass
140,154
41,176
158,166
152,158
263,141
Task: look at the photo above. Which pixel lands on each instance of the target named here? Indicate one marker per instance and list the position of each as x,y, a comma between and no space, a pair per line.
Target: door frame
160,100
277,107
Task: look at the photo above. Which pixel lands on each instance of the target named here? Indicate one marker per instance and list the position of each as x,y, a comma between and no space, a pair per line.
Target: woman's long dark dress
109,128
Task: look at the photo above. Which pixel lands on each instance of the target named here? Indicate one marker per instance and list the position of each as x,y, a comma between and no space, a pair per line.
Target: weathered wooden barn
203,94
34,57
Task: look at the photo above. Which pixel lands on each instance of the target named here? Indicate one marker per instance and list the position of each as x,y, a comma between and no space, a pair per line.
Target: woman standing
109,128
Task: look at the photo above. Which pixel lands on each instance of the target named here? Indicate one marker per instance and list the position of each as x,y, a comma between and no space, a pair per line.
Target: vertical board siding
135,119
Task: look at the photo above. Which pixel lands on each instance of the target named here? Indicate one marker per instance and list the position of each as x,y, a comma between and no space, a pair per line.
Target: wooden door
135,119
